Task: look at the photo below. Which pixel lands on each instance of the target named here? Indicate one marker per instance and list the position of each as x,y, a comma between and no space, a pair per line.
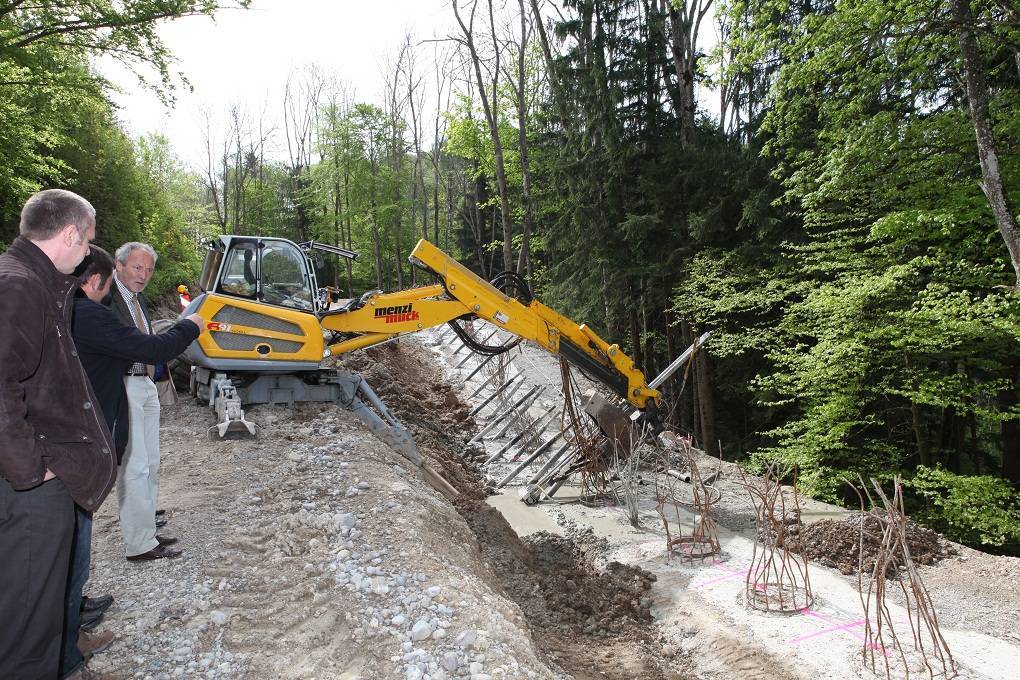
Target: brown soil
837,543
573,603
411,386
590,618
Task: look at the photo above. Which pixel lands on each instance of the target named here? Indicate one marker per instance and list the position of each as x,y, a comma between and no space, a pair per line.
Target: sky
244,57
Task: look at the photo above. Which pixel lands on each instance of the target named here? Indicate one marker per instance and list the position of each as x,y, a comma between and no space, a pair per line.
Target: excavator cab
271,271
262,305
262,302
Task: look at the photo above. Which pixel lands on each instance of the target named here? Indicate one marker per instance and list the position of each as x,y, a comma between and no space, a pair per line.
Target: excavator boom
463,293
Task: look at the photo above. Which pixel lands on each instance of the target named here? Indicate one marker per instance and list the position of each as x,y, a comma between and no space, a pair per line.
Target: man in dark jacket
55,449
107,349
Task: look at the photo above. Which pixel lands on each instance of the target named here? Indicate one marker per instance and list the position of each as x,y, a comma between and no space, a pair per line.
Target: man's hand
197,320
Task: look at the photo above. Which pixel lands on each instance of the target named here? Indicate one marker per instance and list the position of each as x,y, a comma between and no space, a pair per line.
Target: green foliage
974,510
58,128
877,333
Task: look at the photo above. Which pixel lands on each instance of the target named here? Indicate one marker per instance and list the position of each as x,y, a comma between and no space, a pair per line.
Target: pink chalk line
845,627
732,573
835,626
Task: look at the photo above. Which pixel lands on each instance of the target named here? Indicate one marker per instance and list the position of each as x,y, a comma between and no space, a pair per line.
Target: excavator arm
463,295
269,331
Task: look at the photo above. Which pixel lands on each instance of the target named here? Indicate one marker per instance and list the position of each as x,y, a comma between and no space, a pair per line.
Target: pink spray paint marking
836,627
731,574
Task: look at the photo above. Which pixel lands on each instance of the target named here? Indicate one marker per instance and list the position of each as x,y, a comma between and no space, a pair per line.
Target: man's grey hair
47,212
125,251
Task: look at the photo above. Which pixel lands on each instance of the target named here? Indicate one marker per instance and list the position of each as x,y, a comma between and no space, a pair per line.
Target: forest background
840,216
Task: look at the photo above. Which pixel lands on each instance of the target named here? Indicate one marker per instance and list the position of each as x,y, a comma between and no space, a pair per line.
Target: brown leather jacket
48,414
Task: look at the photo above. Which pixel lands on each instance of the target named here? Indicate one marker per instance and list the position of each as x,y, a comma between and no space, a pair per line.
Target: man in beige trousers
138,480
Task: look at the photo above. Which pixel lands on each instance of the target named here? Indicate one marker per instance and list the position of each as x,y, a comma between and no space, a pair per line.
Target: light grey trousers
138,478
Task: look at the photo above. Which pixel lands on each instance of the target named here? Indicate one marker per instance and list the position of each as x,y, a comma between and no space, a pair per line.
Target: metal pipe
680,361
462,346
486,382
549,463
498,419
478,368
540,426
529,460
471,354
517,404
517,438
493,395
522,412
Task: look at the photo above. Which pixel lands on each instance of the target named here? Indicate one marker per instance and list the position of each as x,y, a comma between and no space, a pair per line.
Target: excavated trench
589,618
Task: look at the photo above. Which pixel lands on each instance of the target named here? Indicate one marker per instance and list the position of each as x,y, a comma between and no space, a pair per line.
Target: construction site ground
315,551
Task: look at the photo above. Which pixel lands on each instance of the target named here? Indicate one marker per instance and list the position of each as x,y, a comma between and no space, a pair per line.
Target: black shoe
160,552
96,604
90,620
160,512
160,523
165,540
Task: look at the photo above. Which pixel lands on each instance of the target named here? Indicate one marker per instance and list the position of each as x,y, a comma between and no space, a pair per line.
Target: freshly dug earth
589,618
409,383
838,543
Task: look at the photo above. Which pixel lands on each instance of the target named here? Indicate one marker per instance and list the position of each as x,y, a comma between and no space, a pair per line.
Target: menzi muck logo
397,314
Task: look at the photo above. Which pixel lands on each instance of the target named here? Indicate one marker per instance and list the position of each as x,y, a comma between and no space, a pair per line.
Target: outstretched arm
98,330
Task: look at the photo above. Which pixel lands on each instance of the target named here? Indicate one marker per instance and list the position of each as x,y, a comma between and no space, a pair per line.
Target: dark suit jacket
47,407
116,302
107,348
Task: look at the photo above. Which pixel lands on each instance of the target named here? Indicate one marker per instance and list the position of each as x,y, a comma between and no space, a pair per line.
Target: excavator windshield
284,278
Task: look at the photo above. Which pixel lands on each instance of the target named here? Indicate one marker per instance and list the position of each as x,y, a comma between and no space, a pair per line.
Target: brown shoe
84,673
165,540
158,553
90,644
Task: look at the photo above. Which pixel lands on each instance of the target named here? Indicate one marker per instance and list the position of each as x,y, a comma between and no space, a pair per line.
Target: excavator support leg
347,389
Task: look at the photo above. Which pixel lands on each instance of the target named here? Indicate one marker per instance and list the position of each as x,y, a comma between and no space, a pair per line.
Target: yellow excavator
271,325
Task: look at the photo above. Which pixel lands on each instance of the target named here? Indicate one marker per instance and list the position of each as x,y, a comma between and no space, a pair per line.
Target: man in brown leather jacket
55,449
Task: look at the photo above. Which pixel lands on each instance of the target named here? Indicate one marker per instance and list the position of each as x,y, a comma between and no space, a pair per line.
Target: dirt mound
592,618
412,388
581,596
838,543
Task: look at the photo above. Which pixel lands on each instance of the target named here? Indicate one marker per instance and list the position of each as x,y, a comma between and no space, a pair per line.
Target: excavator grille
248,343
244,317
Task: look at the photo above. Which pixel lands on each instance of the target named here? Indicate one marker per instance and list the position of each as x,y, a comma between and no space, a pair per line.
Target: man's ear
70,235
94,282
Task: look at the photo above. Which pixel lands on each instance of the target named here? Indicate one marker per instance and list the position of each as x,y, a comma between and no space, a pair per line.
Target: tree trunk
917,424
478,222
376,244
350,235
685,386
635,331
1010,430
492,120
706,401
524,258
978,94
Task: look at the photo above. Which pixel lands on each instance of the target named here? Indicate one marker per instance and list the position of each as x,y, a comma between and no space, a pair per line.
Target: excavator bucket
232,429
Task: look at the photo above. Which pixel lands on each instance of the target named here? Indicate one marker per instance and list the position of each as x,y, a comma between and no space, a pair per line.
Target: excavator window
211,266
239,273
284,277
